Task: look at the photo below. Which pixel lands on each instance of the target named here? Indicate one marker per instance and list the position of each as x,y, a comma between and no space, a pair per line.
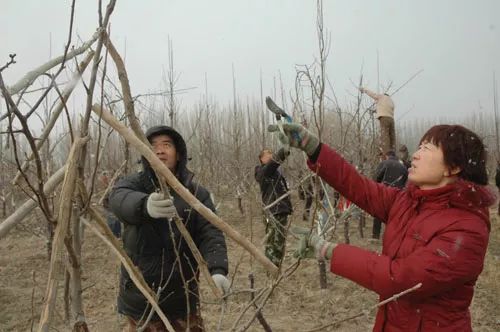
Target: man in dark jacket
306,193
497,182
156,246
392,173
404,156
272,186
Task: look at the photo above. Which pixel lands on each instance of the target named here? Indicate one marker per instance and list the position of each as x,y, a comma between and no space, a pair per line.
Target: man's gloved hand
222,283
280,155
311,245
297,136
159,207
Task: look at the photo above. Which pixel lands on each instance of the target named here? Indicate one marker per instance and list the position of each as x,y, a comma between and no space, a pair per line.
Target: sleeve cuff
314,157
218,271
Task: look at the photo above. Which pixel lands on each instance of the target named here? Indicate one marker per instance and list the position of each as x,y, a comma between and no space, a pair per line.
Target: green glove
297,136
311,245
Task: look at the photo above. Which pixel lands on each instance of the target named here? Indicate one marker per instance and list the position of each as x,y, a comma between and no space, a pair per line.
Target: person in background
404,156
273,185
392,173
497,182
112,221
385,114
306,193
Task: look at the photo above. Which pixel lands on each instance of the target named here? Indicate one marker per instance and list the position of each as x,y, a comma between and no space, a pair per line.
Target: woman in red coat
437,228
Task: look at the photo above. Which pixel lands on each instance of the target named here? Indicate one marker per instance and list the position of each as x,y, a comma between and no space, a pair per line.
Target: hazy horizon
455,43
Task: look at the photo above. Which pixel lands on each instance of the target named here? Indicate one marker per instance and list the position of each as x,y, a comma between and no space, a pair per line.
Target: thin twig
10,62
392,298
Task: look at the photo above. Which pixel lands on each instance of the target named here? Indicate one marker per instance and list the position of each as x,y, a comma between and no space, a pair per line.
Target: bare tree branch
25,209
31,76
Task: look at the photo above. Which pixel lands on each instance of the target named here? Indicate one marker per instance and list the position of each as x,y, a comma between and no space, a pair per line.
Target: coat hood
182,172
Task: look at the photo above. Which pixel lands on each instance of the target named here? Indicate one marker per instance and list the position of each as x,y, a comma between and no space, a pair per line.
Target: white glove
222,283
159,207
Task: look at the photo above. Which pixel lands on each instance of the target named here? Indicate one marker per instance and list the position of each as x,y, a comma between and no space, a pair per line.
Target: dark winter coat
435,237
272,186
391,172
153,244
497,177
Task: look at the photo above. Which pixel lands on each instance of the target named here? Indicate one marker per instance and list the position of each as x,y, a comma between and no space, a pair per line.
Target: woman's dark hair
462,148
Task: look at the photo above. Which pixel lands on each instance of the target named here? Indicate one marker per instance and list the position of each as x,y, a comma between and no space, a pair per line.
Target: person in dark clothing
392,173
497,182
404,156
306,193
272,186
155,245
112,221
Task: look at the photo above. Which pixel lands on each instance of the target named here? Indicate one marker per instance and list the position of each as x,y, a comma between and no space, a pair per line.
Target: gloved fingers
156,196
283,138
273,128
292,127
163,203
313,239
302,250
297,230
222,283
166,211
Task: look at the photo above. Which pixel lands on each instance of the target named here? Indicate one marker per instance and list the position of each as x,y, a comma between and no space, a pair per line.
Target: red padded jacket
435,237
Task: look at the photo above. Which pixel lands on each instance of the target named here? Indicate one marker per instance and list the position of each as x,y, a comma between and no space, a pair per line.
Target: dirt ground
297,304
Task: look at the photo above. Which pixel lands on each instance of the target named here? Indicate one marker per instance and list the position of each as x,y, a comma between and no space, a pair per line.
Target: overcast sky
455,42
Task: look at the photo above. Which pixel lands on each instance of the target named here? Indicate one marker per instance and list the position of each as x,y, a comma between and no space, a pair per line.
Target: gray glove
280,155
160,207
311,245
297,136
222,283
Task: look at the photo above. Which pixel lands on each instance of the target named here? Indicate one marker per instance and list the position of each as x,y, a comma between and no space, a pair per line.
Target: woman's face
428,170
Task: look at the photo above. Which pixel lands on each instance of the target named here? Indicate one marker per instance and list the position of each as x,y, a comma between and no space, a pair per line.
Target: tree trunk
56,266
346,231
77,313
322,274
